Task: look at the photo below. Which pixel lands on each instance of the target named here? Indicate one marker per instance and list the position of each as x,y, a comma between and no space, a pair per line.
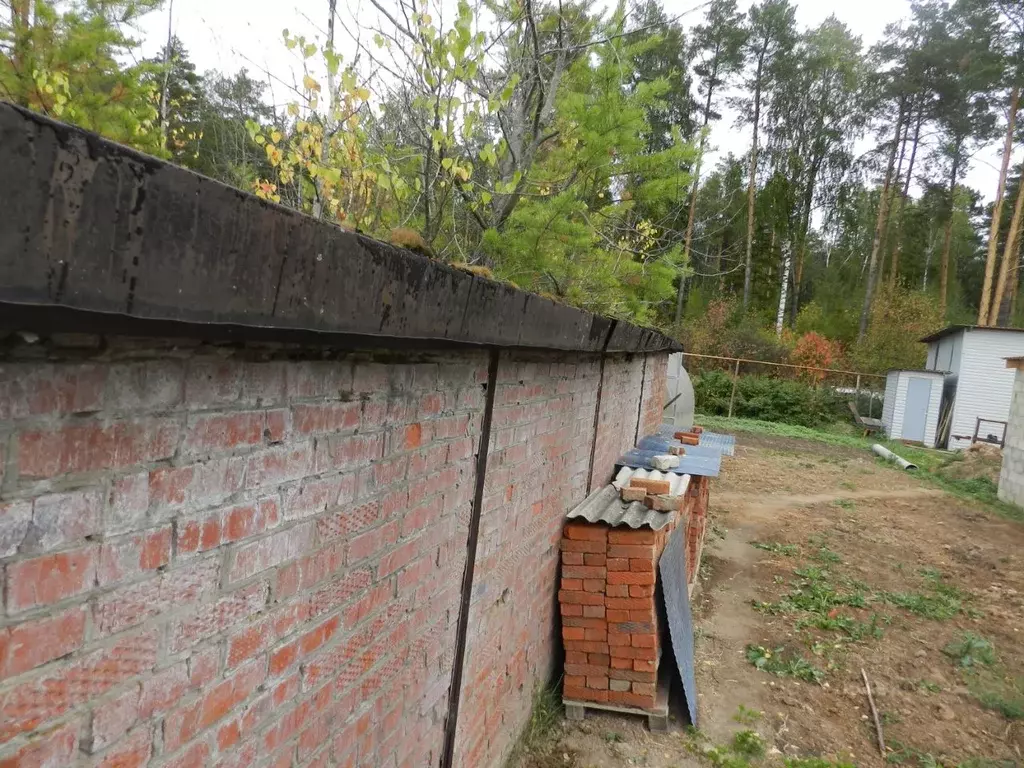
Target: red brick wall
216,556
621,390
655,394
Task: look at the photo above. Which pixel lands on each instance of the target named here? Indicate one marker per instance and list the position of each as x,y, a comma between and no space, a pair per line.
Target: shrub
814,350
759,397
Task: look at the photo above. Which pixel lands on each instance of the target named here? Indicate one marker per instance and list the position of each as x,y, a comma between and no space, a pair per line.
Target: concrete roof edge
92,226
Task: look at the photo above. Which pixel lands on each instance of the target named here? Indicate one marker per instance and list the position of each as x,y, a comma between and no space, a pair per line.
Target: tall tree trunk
21,25
751,185
718,265
883,204
988,313
688,240
898,252
329,127
805,225
1009,254
1011,310
167,74
947,242
883,248
787,262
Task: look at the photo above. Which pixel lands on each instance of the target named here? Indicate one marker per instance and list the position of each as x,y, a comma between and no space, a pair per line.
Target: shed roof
952,329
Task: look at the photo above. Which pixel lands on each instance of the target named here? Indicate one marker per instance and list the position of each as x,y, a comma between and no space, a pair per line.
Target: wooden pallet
657,718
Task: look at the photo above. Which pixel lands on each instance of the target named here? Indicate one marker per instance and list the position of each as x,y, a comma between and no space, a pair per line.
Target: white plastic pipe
885,453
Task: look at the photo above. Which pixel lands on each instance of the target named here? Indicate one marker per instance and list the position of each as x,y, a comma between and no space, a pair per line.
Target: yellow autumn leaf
310,84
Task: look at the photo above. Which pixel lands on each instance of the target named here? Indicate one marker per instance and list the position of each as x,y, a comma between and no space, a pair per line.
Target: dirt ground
822,562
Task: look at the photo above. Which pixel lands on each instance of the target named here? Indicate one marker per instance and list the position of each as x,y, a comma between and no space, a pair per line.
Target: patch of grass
1010,704
971,650
845,503
612,737
534,748
929,686
944,601
813,762
788,550
813,593
749,744
746,716
931,463
778,662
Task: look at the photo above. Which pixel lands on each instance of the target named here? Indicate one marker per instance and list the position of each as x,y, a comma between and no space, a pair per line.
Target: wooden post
735,376
856,393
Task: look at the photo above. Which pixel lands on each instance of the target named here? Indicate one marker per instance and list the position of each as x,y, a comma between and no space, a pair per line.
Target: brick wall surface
231,557
621,393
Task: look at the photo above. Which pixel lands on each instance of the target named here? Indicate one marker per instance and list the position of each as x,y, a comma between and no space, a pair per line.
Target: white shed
911,409
978,386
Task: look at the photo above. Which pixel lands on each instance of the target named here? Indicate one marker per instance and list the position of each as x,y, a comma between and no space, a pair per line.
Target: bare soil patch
821,561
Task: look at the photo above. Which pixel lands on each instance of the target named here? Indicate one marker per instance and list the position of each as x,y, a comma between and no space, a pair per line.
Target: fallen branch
874,713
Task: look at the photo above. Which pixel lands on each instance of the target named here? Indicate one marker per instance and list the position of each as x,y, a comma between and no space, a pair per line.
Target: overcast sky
229,34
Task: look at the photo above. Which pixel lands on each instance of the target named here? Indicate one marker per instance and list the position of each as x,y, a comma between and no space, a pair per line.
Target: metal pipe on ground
885,453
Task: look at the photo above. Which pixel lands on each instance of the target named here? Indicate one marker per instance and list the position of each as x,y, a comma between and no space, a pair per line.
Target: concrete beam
90,226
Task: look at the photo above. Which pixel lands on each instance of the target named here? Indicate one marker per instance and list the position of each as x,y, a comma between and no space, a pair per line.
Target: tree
65,59
770,37
817,114
172,74
968,70
1012,43
718,47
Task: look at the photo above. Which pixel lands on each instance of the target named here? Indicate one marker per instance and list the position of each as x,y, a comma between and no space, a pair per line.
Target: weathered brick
112,718
212,433
15,520
50,578
30,389
215,617
323,418
53,748
132,752
94,447
60,519
30,644
46,697
153,385
128,556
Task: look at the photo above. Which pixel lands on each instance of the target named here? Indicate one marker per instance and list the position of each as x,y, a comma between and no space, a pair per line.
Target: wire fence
865,390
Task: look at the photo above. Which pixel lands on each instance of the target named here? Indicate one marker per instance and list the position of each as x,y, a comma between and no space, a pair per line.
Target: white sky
230,34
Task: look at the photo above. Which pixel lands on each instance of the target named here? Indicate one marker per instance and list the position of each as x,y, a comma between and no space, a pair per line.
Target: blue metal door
915,414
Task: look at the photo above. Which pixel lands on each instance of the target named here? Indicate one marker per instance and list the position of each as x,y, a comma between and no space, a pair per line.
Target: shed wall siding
899,407
890,399
934,405
985,385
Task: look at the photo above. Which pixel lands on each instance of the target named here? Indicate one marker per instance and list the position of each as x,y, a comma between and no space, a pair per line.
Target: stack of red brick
610,621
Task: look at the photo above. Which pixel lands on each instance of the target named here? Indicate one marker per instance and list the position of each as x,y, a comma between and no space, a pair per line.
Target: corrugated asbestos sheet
724,444
676,483
605,506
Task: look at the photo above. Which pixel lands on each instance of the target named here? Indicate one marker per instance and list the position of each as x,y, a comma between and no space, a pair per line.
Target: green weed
928,685
788,550
545,715
970,650
776,662
845,503
749,744
746,716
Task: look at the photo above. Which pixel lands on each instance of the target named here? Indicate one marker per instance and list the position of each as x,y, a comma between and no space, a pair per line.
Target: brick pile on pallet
611,627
